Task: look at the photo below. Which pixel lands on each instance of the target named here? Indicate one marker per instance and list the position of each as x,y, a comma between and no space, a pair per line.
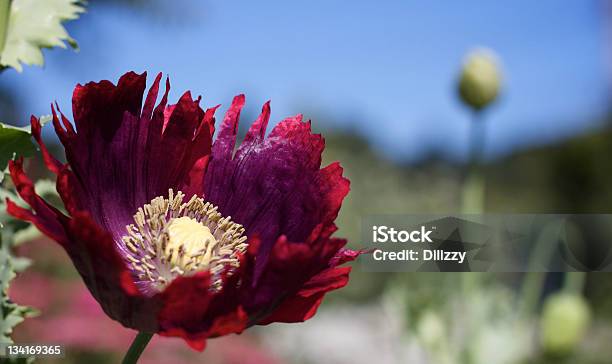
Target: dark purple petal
45,217
273,185
123,158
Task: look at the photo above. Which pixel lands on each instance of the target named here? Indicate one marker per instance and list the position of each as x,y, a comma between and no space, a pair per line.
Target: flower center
170,238
190,236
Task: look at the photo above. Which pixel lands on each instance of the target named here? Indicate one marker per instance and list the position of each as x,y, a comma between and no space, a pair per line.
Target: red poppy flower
176,235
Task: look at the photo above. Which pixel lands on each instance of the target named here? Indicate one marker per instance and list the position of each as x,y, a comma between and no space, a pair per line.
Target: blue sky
385,69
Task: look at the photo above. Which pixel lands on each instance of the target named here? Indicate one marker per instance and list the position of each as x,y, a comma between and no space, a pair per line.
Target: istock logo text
383,234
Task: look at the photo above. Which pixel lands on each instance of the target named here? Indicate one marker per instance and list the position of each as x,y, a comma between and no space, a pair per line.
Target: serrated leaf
6,269
11,314
36,24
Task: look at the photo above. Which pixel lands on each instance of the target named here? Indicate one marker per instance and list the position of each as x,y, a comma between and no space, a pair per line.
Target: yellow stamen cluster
170,237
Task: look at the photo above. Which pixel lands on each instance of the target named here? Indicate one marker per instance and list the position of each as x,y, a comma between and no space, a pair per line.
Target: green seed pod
480,79
564,322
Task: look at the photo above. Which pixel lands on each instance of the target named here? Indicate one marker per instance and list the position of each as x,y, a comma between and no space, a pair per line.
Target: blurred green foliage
572,176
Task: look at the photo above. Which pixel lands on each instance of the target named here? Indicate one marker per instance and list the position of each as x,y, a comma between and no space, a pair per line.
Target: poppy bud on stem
479,84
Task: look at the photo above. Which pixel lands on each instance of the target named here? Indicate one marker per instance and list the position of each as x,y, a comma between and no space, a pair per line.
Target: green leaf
14,141
11,314
36,24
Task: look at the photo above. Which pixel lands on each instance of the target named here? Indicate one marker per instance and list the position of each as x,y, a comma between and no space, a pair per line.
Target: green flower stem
138,345
533,282
5,10
472,195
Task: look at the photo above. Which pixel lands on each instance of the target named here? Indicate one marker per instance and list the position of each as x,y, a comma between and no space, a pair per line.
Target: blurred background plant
530,132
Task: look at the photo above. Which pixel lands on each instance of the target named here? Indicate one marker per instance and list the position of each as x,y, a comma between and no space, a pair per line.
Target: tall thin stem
472,196
5,10
533,282
138,345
